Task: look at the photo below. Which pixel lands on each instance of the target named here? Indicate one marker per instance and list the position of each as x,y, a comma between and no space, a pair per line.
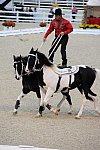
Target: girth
58,83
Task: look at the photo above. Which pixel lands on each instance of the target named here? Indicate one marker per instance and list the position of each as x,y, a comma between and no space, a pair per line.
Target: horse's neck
23,71
43,60
48,70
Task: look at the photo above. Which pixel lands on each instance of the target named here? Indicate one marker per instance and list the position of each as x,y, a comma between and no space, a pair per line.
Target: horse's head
36,61
32,61
18,66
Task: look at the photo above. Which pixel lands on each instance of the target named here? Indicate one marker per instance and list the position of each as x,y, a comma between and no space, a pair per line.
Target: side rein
36,63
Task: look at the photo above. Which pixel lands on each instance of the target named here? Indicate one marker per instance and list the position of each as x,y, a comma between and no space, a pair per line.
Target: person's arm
51,28
69,27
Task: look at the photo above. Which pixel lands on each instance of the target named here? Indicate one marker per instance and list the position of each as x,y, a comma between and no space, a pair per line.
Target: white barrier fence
43,29
22,147
18,16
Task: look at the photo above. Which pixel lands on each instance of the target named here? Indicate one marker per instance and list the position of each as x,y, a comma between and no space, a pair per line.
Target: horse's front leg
38,95
18,102
41,107
60,103
48,95
65,96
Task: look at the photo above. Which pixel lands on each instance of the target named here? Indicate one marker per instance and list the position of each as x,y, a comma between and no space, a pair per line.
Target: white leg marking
60,103
43,93
96,106
70,109
48,95
81,109
39,101
56,110
19,98
15,112
38,115
95,103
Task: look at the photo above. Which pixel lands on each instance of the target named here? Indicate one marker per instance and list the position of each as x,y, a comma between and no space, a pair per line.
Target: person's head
35,9
58,14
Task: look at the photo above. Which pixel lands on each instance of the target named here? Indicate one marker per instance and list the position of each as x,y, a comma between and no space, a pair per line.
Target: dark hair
58,12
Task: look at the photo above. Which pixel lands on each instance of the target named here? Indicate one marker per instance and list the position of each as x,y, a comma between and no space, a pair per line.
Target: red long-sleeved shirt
59,26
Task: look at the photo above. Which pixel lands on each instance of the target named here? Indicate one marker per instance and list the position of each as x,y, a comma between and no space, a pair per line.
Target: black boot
64,63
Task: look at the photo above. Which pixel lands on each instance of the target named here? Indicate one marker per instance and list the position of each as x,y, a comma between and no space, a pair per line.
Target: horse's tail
98,72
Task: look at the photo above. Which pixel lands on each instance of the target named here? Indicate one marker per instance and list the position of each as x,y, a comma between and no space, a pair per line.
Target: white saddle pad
67,70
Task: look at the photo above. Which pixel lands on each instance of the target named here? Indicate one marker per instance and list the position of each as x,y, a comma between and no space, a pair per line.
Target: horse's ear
37,50
14,57
32,49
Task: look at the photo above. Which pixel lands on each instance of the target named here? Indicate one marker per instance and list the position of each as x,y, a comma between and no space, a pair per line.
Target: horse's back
88,75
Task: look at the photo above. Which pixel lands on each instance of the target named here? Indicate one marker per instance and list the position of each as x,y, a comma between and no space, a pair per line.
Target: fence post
70,17
43,16
17,17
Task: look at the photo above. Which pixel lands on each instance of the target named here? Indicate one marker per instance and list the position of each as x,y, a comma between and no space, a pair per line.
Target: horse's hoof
15,112
38,115
69,112
58,109
55,111
77,117
98,112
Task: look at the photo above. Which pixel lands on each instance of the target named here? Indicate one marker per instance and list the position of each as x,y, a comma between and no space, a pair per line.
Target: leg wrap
41,108
48,106
17,104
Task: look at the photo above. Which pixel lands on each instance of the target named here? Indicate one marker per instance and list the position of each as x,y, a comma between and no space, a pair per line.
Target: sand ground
62,132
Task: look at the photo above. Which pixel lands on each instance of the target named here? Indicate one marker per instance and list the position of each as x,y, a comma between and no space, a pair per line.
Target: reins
56,40
55,44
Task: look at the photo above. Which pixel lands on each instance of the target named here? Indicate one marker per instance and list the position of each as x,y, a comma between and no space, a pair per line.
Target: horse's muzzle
18,78
29,71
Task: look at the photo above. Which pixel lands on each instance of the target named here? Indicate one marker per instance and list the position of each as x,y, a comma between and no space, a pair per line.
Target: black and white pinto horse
30,83
56,81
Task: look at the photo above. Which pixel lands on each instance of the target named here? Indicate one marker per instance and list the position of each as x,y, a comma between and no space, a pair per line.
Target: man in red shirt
62,27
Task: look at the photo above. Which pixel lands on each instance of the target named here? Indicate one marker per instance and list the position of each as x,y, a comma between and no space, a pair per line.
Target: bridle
36,62
22,69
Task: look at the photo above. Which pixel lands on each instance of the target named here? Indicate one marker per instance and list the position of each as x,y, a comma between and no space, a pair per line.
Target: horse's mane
21,58
24,60
43,59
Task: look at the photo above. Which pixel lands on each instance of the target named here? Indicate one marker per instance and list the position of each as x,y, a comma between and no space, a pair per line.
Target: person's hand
62,33
44,39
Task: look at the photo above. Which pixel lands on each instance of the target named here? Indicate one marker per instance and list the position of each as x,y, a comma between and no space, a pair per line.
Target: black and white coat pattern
83,80
29,81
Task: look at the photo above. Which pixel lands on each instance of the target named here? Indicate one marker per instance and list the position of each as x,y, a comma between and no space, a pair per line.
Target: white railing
36,17
44,29
47,3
